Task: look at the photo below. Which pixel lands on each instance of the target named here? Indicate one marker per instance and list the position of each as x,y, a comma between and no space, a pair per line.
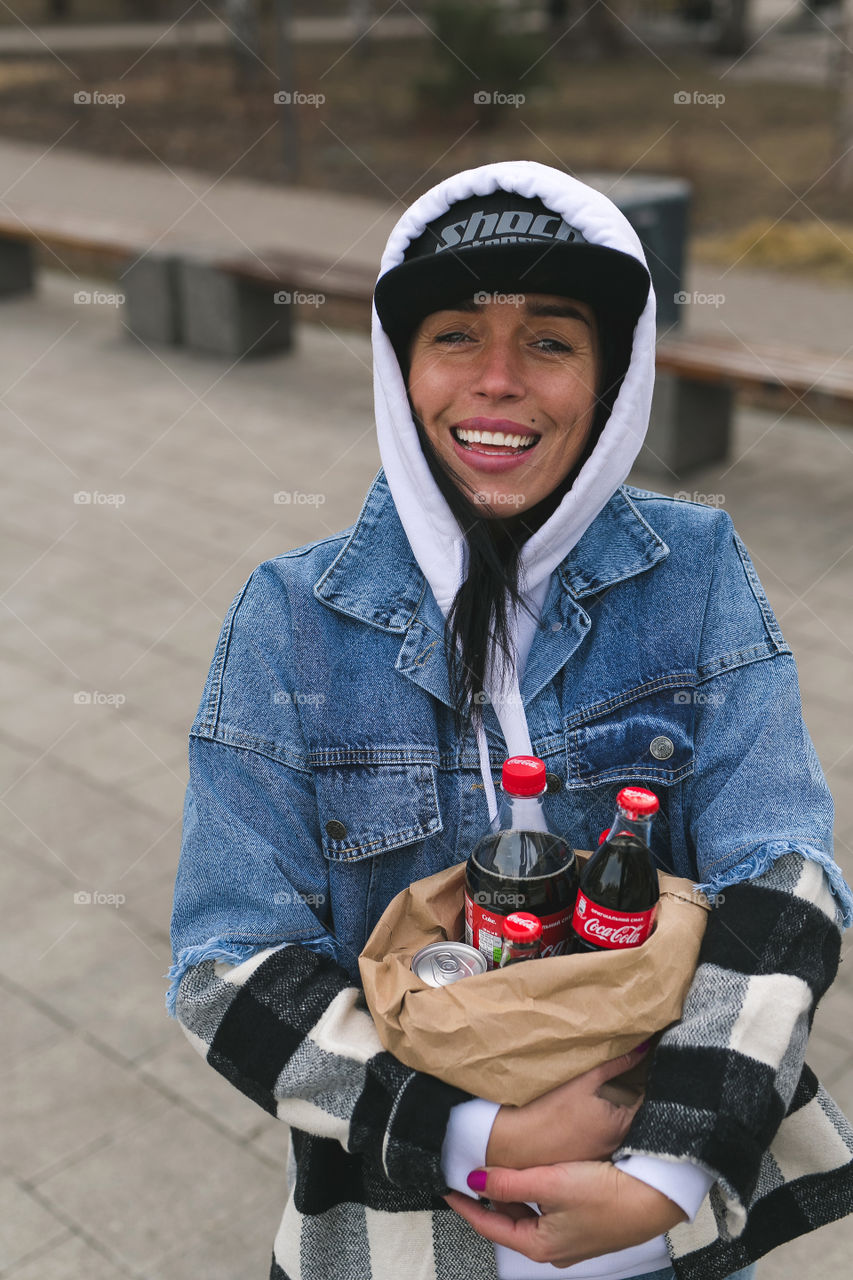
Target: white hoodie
440,550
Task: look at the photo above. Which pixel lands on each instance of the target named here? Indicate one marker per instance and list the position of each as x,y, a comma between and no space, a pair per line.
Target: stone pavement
138,495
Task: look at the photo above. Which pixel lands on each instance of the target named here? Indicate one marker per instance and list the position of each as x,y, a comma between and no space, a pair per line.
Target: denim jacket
325,776
657,660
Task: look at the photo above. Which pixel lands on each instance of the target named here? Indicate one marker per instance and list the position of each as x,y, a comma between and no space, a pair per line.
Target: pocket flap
369,809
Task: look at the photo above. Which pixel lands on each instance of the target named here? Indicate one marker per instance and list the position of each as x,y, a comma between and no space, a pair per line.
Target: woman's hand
587,1209
571,1122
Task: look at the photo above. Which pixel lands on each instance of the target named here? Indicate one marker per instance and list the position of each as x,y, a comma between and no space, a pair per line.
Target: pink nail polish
477,1179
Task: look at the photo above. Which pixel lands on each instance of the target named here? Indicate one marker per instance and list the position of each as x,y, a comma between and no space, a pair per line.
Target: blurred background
194,199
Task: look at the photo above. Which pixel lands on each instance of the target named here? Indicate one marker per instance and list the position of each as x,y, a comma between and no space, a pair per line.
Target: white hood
434,535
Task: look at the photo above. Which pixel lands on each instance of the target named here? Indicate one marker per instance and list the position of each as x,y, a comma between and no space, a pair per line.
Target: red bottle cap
636,802
521,926
523,776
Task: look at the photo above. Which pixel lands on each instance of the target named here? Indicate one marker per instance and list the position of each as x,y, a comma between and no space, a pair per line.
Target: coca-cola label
484,930
611,929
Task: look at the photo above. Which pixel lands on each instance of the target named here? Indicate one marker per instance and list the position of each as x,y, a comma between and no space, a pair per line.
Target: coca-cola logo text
627,935
555,949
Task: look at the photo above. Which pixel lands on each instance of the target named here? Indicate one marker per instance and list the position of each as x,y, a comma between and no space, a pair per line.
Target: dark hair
478,620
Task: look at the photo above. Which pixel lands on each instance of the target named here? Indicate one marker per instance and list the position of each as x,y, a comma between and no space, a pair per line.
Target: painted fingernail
477,1179
641,1048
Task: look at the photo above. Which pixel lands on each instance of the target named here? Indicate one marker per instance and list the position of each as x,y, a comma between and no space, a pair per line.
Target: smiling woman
505,592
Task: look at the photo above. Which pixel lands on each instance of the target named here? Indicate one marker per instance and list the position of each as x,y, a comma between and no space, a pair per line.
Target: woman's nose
497,371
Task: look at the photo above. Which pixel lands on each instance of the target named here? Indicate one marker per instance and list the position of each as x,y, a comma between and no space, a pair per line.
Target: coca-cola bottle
520,865
522,938
618,893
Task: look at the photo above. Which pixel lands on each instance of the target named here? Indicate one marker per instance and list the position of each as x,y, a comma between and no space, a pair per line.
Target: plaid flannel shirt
728,1088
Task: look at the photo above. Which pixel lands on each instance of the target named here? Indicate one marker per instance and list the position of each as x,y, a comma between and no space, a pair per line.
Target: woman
503,592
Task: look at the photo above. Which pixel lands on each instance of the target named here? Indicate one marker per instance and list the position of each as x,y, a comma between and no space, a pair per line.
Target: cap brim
605,278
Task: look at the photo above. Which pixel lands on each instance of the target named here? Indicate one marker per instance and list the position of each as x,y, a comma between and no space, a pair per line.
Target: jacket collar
376,578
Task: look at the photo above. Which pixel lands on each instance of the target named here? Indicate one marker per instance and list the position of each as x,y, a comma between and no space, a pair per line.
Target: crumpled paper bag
512,1034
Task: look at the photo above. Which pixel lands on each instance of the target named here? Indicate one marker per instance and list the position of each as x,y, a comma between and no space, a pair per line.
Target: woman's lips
485,455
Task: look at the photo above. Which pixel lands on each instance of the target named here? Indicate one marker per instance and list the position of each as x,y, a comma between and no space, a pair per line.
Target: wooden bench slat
757,365
76,233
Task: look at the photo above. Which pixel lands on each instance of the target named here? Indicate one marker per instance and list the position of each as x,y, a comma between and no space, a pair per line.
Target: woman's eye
450,337
554,344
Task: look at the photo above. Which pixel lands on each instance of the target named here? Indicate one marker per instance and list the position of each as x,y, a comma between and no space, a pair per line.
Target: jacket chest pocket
644,739
367,809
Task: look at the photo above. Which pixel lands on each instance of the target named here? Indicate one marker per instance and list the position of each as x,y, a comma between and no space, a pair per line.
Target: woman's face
506,390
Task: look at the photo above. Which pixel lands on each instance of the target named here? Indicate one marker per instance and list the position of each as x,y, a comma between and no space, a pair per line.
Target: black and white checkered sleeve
723,1078
289,1030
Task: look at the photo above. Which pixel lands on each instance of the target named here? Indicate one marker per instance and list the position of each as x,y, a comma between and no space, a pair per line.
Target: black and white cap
509,243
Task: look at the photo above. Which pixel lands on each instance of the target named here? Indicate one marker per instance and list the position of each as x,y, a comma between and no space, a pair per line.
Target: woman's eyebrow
557,309
534,308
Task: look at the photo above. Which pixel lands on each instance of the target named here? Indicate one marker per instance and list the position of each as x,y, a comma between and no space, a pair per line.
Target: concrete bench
698,380
209,301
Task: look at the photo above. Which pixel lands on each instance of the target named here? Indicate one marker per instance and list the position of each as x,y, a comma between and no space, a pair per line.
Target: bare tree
733,39
594,28
844,119
241,17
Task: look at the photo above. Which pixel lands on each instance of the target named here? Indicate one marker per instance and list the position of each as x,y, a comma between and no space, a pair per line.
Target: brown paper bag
512,1034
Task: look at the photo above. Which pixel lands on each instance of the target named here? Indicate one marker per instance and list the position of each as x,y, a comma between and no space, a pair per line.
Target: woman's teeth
497,439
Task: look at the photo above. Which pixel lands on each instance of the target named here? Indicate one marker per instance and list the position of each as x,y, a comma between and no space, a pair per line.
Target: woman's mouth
493,443
494,448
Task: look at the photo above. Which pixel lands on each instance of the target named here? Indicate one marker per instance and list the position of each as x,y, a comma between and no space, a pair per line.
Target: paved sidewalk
122,1154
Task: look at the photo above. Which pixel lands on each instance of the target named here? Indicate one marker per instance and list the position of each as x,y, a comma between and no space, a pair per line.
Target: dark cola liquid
620,877
521,871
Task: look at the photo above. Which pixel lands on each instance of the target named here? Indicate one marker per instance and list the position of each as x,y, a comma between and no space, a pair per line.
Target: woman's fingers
512,1210
617,1066
587,1209
518,1186
513,1231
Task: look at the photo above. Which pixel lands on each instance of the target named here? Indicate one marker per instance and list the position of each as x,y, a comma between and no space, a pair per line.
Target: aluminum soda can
441,963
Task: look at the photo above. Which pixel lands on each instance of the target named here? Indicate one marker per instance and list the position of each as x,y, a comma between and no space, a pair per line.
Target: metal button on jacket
335,830
661,748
